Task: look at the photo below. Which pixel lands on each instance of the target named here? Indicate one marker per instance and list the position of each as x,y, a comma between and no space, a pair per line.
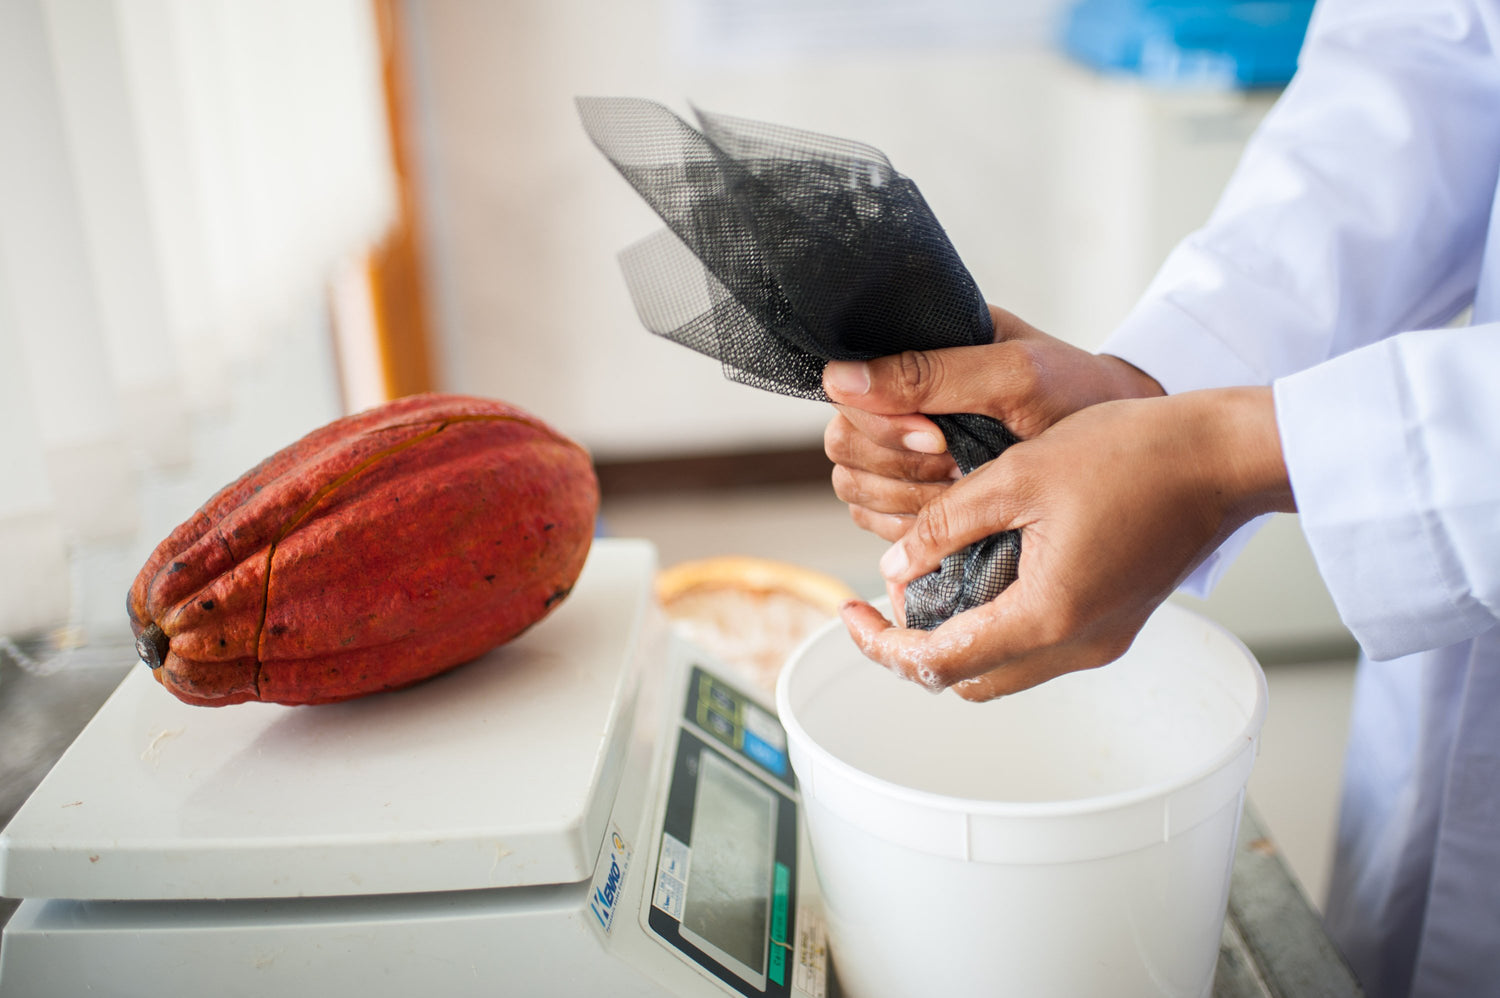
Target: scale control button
765,727
773,760
720,698
717,724
765,740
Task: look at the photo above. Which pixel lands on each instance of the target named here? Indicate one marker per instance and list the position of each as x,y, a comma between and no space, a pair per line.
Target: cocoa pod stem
151,645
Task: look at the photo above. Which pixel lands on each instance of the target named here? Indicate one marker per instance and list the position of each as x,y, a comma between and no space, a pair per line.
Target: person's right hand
890,461
1116,504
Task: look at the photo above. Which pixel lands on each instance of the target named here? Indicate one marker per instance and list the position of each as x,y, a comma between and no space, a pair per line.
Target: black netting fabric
785,249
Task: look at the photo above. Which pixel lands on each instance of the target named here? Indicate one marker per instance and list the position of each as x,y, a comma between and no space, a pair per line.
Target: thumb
954,379
973,508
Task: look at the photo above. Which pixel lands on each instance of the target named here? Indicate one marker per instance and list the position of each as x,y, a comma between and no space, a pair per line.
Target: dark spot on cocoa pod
207,604
557,596
176,566
278,629
223,643
489,578
549,526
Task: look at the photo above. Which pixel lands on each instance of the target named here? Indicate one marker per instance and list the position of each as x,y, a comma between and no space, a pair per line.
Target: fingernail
923,442
847,377
893,563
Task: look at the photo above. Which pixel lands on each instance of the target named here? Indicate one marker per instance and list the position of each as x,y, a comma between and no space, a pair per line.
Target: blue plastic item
1215,43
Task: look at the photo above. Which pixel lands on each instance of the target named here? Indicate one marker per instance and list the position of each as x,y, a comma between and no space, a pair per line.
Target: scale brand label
609,878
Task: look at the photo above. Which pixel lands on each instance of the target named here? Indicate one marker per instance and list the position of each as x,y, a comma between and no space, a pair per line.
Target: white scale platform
448,837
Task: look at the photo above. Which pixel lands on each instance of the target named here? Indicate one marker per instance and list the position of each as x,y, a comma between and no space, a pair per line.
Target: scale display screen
726,908
727,863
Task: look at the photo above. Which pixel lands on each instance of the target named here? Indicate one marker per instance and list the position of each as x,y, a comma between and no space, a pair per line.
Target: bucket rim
1243,740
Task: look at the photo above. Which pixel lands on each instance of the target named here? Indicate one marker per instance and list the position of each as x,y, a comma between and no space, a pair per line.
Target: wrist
1242,448
1128,381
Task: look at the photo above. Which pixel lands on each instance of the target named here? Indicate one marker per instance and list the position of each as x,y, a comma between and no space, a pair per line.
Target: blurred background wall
218,216
1062,188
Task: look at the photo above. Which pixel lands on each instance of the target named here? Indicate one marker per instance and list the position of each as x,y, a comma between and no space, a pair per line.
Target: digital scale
595,808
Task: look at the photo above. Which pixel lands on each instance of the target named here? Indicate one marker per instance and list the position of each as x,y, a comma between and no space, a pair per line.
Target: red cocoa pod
373,553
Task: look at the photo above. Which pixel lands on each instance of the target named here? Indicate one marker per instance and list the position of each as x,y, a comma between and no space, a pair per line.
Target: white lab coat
1363,219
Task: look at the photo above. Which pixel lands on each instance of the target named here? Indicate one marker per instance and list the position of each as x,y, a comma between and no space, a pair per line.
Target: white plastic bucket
1074,840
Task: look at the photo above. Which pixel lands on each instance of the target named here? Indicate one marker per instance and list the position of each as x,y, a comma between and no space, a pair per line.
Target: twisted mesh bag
785,249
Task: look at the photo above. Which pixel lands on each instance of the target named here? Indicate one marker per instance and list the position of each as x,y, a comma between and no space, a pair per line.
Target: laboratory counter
1273,945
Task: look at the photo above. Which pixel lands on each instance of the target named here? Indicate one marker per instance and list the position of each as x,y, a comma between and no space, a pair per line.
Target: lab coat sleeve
1358,210
1404,480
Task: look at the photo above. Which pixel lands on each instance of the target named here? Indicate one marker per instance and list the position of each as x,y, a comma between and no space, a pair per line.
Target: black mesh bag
785,249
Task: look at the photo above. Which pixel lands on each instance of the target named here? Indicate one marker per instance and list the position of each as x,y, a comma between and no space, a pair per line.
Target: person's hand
889,461
1116,504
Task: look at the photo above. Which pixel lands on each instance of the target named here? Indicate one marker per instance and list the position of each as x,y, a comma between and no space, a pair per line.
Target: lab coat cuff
1345,436
1166,342
1206,576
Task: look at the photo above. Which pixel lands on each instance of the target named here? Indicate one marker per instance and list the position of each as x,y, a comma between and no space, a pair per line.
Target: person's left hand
889,459
1116,504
